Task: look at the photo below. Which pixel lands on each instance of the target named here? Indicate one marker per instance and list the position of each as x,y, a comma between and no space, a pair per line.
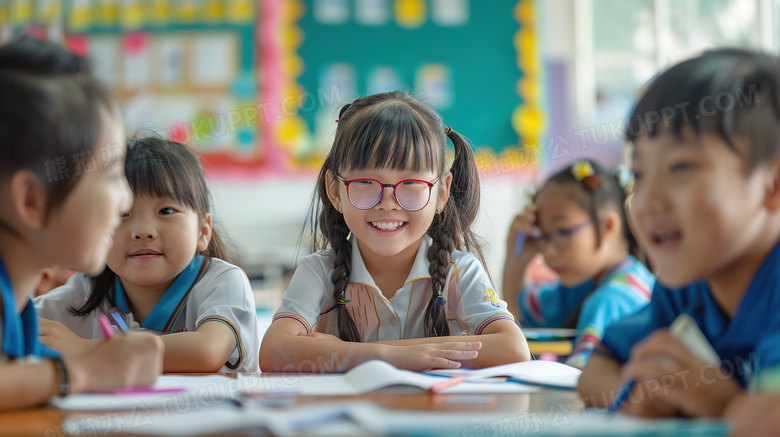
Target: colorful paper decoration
529,119
410,13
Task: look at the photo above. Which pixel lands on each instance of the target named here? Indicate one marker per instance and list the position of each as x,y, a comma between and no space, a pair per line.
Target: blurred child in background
578,223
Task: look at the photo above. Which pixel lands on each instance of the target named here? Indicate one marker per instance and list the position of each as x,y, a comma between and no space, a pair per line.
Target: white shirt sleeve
228,299
481,304
308,293
56,304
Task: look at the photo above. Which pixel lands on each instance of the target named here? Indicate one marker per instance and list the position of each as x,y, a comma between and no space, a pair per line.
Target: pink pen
105,326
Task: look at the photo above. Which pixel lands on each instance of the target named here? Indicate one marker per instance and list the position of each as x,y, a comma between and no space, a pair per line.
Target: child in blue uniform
588,243
706,204
52,213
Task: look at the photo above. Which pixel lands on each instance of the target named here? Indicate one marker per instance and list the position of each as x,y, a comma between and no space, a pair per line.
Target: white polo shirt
221,293
472,304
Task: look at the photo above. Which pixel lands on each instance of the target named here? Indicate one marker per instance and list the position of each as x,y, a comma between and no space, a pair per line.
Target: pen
146,390
519,244
687,331
121,323
455,380
105,326
622,397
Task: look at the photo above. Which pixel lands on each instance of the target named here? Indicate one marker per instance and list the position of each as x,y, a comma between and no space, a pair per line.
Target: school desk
547,406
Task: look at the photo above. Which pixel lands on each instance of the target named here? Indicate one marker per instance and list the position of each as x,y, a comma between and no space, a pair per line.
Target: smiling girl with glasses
578,223
399,275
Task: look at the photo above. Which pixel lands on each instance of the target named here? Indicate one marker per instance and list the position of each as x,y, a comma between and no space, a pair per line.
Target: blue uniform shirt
19,331
747,343
622,291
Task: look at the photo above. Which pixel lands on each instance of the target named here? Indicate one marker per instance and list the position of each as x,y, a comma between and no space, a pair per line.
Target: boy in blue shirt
706,206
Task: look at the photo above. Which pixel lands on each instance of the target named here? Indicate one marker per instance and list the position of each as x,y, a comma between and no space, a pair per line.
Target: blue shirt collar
20,331
164,315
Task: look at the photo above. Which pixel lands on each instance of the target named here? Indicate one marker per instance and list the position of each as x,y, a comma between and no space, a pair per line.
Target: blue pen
519,244
622,398
121,323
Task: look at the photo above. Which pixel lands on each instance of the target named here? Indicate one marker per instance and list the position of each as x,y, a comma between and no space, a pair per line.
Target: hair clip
440,299
339,301
623,175
625,178
337,121
447,130
583,171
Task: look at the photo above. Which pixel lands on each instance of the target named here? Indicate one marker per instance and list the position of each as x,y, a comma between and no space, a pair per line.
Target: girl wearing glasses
398,274
578,223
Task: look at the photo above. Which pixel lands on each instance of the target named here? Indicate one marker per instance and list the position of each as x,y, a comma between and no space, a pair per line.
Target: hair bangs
155,174
391,137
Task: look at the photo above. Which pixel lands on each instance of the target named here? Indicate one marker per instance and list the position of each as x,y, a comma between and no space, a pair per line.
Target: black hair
50,109
727,92
604,194
157,167
395,131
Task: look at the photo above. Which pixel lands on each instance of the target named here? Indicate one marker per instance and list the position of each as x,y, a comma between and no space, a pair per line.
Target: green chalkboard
479,54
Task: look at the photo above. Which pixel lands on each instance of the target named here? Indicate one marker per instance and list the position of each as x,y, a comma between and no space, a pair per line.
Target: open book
542,373
169,392
365,378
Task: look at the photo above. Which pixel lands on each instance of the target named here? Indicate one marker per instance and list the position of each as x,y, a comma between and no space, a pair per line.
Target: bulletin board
249,84
473,61
182,69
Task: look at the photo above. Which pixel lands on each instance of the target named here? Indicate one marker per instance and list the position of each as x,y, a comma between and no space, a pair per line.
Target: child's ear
772,200
332,187
204,235
444,193
28,199
610,223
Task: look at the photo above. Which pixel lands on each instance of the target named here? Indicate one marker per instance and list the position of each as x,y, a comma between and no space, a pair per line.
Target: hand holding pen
518,243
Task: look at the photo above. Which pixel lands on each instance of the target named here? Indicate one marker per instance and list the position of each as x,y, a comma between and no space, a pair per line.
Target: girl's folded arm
285,344
205,350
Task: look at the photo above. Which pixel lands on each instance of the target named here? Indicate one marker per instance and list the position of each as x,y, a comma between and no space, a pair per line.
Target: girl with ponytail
578,223
168,272
397,272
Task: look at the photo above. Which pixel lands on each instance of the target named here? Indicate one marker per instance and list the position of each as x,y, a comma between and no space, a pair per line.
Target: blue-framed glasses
560,239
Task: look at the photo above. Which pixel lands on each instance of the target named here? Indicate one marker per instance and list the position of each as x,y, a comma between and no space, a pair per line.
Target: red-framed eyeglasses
410,194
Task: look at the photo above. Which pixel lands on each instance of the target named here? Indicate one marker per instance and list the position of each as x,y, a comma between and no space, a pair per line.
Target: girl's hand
57,336
124,361
755,414
671,376
525,222
422,357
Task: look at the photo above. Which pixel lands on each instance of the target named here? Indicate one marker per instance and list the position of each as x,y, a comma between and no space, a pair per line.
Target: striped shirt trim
180,308
589,338
294,317
641,287
487,322
530,302
233,328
